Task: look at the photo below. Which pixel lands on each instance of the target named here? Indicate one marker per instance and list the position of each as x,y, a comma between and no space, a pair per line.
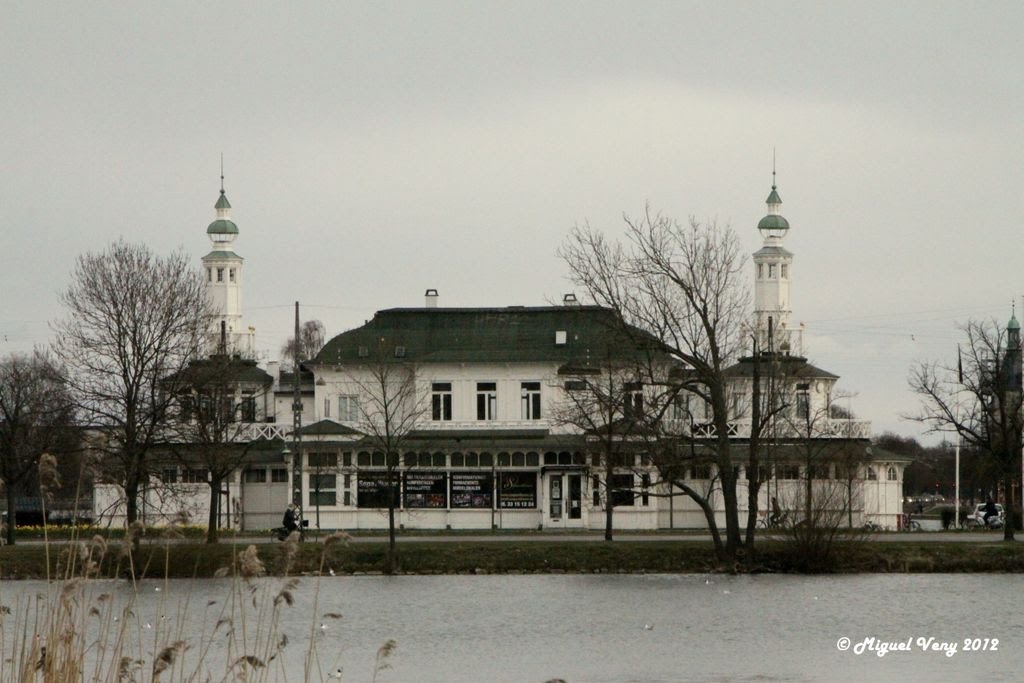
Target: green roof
560,334
328,428
218,368
222,226
1013,324
790,367
773,222
216,255
774,197
223,202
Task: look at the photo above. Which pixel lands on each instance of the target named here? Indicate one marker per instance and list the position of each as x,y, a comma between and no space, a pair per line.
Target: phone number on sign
881,647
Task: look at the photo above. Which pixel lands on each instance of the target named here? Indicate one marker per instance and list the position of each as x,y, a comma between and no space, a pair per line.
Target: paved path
557,537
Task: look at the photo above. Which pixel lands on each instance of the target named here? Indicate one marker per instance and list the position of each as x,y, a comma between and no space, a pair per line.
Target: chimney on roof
431,297
570,300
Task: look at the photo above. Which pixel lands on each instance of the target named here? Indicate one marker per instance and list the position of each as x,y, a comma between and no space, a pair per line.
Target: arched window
890,474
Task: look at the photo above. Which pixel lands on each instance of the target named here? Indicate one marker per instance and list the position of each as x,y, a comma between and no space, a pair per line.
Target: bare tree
683,285
217,402
310,340
979,398
36,416
133,319
391,403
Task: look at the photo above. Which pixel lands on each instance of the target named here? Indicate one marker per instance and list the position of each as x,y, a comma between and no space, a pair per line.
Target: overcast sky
373,150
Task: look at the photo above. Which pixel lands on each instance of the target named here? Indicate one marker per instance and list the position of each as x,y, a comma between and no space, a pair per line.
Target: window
231,274
486,400
575,385
771,270
739,404
248,407
622,490
193,476
366,459
681,406
784,269
760,271
323,489
633,401
319,460
279,475
327,407
872,474
890,474
346,459
820,472
441,401
255,476
701,471
645,482
348,408
220,275
803,401
596,488
787,471
169,475
530,400
209,274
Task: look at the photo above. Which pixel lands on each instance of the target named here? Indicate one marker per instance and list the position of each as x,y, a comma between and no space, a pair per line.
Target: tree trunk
1008,513
609,503
726,476
11,516
709,516
211,522
392,559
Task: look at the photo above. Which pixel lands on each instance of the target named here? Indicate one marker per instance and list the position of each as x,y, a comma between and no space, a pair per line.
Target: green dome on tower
773,222
1013,324
222,226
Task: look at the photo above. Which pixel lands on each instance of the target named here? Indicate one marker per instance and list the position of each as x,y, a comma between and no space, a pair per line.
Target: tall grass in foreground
83,627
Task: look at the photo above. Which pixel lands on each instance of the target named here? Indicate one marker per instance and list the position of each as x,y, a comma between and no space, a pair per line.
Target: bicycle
910,524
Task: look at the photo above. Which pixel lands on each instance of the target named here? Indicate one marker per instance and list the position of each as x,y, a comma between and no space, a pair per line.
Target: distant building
488,443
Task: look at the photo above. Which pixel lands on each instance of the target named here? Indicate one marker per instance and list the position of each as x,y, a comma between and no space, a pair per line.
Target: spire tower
223,269
773,266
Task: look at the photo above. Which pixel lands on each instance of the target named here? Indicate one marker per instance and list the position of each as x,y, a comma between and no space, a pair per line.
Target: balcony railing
820,429
263,431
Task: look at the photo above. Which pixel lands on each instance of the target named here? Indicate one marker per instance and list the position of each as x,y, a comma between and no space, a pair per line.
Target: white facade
488,450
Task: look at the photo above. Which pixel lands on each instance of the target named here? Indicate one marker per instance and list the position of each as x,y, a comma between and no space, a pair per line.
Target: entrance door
575,497
556,501
564,502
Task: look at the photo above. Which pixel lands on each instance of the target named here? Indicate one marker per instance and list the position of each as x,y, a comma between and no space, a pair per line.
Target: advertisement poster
518,490
426,490
471,489
372,490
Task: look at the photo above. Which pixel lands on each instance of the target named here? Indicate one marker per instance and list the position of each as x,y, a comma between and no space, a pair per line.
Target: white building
480,436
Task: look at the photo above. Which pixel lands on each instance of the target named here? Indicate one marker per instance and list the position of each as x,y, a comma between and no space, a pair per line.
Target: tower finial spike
222,172
773,168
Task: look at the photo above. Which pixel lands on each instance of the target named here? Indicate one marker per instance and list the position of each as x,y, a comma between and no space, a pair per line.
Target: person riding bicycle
776,517
990,511
290,521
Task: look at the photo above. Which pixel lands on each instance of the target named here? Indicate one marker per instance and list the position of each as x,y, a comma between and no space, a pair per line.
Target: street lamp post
296,423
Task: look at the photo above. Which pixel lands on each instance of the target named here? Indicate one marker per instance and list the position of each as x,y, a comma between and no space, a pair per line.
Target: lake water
593,628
